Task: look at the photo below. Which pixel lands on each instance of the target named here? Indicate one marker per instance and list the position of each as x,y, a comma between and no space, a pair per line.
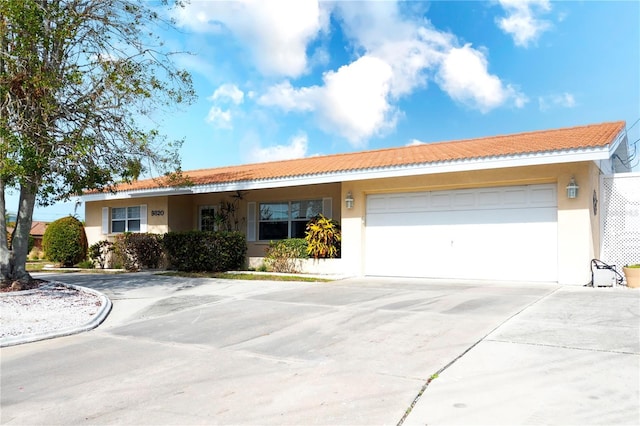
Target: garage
499,233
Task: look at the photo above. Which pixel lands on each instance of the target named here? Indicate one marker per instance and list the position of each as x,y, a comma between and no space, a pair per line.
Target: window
282,220
207,218
125,219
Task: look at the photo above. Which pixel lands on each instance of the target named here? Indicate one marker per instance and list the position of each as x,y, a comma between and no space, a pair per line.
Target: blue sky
283,79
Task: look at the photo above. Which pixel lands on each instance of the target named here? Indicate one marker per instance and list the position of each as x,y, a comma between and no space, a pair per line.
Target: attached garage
492,208
499,233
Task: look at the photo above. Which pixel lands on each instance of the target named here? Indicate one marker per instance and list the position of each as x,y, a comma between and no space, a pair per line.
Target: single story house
520,207
37,232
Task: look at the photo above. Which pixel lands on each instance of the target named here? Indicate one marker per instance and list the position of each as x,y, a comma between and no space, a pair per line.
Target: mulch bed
34,284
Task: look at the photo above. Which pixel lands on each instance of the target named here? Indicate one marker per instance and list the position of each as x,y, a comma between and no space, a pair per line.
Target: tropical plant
226,217
99,252
65,241
323,237
77,79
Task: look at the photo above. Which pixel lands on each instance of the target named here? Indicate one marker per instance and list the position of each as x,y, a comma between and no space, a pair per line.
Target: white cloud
395,55
288,98
219,117
229,95
415,142
409,47
353,101
296,148
416,52
564,100
228,92
275,32
522,22
465,77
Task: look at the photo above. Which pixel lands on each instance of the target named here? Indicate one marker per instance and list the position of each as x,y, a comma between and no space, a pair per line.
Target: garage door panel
493,251
462,217
505,243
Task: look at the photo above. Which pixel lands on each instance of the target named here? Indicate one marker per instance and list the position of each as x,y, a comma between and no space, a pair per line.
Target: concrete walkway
360,351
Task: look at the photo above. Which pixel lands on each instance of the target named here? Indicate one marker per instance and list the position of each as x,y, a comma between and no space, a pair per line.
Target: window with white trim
282,220
125,219
207,218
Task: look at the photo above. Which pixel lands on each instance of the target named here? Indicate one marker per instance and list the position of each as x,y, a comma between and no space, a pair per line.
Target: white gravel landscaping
47,309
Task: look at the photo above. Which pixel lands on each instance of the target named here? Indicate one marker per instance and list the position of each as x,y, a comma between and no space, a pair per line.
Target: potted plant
632,274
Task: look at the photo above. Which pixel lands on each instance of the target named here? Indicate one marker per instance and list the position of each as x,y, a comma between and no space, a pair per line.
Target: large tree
81,84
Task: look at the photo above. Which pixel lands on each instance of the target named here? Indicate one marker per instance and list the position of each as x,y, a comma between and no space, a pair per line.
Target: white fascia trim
613,146
158,192
377,173
605,165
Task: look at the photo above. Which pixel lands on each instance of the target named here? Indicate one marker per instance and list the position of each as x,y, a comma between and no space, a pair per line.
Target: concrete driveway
358,351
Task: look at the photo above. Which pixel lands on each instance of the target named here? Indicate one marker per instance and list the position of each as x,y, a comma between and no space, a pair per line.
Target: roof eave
474,164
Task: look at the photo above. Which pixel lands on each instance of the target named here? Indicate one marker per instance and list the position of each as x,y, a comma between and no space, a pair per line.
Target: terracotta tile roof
545,141
37,228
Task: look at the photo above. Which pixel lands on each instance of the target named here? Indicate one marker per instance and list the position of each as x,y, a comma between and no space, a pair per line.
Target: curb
96,320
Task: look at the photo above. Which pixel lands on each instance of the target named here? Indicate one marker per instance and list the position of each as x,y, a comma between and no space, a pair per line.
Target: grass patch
245,276
40,266
36,265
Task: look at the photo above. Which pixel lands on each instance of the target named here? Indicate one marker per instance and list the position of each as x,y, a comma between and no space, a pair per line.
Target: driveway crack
483,338
563,347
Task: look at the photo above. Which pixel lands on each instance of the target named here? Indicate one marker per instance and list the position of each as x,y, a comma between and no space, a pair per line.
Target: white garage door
502,233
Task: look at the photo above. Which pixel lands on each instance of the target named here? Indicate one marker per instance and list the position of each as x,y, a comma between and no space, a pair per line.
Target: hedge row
205,251
134,251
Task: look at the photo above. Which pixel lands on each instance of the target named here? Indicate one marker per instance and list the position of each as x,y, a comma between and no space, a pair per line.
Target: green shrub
86,264
205,251
135,251
323,237
286,255
120,258
65,241
146,249
99,252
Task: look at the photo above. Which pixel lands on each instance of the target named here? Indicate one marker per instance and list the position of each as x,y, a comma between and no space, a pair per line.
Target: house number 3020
157,212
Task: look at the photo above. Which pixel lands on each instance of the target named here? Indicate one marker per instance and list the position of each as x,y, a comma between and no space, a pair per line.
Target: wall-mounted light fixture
572,188
349,200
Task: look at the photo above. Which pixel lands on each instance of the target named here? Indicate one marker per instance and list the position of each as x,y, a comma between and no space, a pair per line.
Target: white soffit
485,163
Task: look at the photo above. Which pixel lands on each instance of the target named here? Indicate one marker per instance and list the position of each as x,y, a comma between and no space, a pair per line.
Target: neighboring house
493,208
37,232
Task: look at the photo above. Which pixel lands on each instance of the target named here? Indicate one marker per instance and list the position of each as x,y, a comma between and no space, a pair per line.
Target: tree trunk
4,247
16,267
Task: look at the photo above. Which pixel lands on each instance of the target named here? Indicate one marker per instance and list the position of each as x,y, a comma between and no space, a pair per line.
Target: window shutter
143,218
251,221
105,220
327,208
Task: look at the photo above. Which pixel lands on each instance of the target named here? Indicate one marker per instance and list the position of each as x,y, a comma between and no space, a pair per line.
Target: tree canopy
81,82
